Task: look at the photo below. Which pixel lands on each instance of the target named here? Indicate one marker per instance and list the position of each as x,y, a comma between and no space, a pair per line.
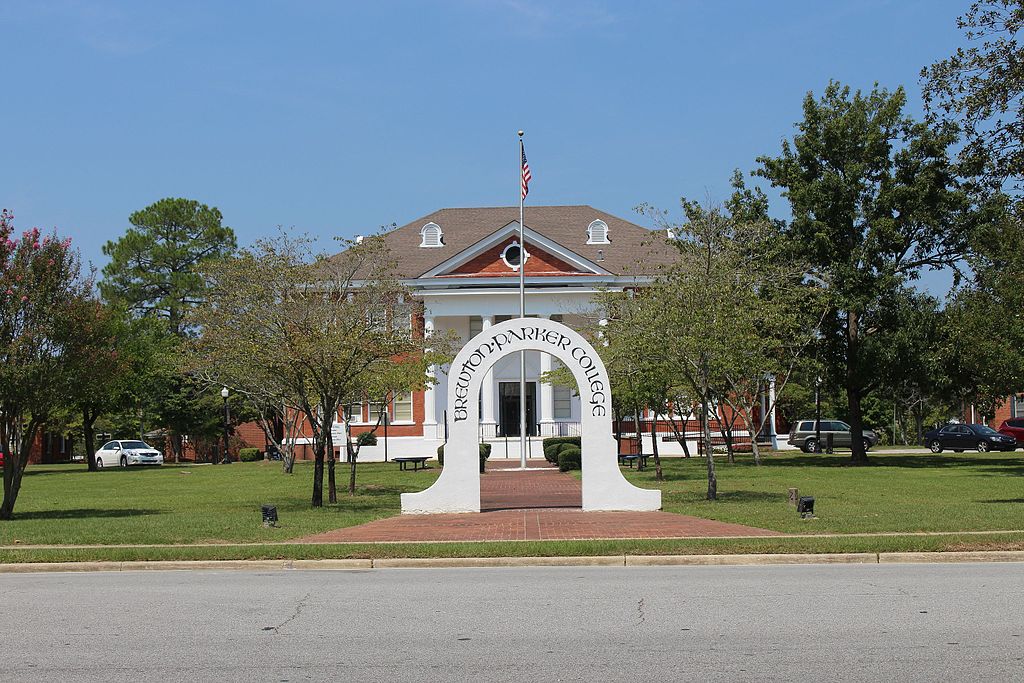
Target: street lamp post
224,394
817,415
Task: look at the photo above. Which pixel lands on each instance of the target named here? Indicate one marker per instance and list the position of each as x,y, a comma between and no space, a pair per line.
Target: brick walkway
535,505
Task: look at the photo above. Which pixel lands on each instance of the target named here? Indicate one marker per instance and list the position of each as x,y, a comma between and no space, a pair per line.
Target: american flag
525,185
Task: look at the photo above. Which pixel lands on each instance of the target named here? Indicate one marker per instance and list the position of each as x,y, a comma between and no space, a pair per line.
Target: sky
337,118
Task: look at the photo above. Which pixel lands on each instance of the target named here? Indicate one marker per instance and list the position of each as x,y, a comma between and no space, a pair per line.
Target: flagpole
522,312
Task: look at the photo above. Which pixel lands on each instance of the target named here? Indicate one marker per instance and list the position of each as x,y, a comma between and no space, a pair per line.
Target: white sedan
125,453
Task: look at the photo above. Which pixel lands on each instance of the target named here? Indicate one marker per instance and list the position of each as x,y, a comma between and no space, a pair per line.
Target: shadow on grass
929,460
81,513
1004,500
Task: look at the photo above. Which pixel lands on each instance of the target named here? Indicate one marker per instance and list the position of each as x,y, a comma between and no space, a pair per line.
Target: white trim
524,255
512,229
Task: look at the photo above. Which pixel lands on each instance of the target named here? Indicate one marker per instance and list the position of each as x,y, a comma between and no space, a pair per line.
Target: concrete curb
478,562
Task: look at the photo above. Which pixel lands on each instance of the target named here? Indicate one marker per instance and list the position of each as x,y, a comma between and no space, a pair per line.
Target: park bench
418,462
630,459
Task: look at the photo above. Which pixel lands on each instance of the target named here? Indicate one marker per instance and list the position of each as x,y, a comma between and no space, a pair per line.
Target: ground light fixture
269,515
805,506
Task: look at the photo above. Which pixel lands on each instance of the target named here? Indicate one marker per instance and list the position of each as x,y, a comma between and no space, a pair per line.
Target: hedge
249,454
569,459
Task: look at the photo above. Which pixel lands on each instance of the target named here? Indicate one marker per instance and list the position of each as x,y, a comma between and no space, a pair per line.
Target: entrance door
508,408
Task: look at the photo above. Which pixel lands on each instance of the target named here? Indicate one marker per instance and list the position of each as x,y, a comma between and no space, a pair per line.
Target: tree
982,87
42,298
154,266
875,200
109,373
323,328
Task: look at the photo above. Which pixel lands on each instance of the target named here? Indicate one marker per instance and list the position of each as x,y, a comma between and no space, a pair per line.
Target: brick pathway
538,504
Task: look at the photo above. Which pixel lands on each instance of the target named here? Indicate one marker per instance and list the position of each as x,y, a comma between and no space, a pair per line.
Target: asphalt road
848,622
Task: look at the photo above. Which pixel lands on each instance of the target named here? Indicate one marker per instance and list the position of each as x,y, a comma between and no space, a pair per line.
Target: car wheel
810,445
867,445
983,447
99,463
935,446
124,461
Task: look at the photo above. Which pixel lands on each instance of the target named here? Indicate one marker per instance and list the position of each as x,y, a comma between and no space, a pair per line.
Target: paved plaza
536,504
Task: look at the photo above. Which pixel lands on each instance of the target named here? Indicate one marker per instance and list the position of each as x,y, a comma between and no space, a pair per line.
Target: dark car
963,437
1013,427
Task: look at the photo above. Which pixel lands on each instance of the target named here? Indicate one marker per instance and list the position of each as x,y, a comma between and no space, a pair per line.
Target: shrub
551,453
569,459
485,452
249,454
367,439
552,440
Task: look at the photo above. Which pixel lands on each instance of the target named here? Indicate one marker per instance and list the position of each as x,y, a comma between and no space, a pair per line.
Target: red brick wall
489,264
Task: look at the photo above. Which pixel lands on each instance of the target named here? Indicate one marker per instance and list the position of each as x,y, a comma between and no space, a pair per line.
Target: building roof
632,249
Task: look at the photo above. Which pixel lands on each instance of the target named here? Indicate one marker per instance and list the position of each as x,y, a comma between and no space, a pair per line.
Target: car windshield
133,444
983,429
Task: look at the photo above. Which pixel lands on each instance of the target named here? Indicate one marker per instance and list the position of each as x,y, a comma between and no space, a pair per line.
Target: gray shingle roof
633,250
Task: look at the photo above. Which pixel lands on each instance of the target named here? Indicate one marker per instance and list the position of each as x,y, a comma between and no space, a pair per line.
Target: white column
547,394
771,413
487,391
429,411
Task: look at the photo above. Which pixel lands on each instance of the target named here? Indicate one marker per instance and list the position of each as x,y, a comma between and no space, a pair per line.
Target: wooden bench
630,459
418,462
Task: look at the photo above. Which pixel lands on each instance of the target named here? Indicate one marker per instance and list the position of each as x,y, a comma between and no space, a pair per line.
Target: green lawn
65,504
202,504
897,492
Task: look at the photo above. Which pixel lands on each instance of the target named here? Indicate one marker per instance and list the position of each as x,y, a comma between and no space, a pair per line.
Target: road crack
295,615
640,612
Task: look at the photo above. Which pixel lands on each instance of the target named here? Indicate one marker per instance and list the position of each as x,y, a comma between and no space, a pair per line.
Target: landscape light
269,515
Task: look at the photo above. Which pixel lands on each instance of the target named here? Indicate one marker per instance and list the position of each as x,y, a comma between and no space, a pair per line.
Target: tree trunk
748,417
725,429
332,489
658,476
708,452
318,467
88,422
177,446
858,456
639,439
14,468
353,456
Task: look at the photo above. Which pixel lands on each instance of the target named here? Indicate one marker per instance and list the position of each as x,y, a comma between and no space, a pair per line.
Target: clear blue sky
337,118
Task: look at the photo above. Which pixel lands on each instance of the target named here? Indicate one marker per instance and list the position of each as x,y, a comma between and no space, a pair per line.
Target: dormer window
597,233
431,236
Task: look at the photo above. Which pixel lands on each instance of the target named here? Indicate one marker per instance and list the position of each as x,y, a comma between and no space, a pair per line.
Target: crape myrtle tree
321,328
778,307
42,300
155,272
875,200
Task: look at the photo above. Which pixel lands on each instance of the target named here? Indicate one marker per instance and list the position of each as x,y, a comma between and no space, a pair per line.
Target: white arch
458,487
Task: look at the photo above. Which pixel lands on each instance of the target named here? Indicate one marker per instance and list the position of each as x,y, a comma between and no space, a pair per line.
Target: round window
512,254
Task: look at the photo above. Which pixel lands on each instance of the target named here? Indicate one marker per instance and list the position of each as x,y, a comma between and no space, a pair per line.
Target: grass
65,504
897,493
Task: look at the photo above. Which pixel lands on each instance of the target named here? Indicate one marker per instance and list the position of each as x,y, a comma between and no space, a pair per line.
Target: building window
373,412
403,408
1017,406
353,412
431,236
563,402
511,256
476,325
597,233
